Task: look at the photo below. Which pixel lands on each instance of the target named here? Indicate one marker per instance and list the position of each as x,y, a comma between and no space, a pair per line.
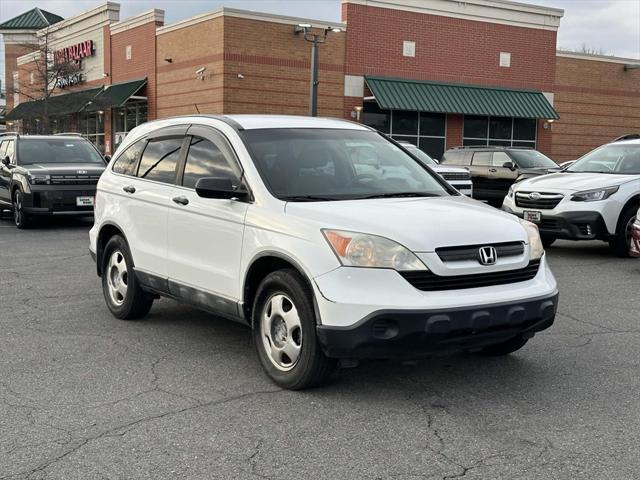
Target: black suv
495,169
48,175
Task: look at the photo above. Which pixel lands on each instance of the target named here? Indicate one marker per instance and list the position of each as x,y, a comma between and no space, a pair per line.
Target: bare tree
588,49
47,71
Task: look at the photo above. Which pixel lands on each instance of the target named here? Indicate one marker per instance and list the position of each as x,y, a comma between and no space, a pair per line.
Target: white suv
596,197
281,223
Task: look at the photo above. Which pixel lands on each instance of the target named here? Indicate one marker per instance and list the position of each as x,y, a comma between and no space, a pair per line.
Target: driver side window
8,150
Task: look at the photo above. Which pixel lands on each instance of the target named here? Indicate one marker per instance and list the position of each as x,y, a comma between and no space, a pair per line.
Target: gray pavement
181,394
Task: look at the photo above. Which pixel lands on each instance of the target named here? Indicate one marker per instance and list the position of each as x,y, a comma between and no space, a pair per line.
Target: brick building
438,73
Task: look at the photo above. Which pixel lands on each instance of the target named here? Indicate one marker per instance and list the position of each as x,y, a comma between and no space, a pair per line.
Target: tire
504,348
621,242
547,240
20,218
122,293
284,332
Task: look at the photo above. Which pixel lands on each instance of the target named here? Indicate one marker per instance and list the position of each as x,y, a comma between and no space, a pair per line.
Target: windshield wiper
307,198
399,194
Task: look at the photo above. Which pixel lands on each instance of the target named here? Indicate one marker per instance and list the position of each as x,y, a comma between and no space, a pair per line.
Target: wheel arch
633,202
262,265
107,231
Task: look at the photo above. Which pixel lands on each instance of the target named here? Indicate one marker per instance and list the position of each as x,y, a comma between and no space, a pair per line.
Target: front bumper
58,200
407,334
579,225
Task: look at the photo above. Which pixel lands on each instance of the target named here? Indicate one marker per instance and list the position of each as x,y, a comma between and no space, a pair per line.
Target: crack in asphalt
122,430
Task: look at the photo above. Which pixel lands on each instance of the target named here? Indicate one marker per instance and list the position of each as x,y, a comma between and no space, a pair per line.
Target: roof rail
67,134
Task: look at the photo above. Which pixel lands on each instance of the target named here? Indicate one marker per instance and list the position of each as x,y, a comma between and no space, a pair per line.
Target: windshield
335,164
57,150
421,155
612,158
532,159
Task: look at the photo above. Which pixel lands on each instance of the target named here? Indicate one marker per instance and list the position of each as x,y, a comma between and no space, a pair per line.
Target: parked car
635,237
495,169
266,220
595,198
458,178
48,175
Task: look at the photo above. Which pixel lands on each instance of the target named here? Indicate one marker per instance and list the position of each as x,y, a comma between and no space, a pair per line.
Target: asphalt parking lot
181,394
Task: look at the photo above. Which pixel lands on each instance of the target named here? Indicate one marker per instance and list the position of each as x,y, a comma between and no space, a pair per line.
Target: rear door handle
493,170
181,200
129,189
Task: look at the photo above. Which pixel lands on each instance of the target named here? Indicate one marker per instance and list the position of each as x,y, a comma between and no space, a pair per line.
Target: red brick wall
597,102
142,40
11,53
275,64
447,49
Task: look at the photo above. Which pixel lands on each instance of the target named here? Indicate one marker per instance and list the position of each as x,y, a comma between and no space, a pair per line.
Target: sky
608,26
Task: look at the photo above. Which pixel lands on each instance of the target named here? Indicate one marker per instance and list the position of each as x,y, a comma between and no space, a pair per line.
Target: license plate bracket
85,201
532,216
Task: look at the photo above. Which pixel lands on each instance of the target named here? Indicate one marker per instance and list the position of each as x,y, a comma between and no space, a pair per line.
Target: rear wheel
504,348
122,293
284,332
20,218
620,244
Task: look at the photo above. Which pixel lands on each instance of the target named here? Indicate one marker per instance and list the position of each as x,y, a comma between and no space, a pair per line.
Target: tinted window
482,158
432,146
613,158
475,127
524,129
57,150
160,159
500,128
127,162
432,124
376,118
405,123
204,159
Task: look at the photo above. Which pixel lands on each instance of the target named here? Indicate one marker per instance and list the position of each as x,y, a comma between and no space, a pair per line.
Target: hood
420,224
539,170
66,168
447,169
572,182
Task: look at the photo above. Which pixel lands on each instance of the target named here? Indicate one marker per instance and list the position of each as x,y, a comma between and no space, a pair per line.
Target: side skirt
207,301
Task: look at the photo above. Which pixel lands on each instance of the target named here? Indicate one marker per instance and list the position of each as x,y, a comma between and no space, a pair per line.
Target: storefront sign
69,81
73,53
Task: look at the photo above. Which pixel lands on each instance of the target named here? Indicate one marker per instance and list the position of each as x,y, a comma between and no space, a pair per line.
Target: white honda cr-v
595,198
283,223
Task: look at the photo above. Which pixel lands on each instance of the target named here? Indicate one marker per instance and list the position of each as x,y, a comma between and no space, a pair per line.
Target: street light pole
315,40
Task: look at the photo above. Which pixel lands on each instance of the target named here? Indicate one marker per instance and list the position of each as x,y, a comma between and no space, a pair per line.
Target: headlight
535,244
355,249
594,195
37,179
510,192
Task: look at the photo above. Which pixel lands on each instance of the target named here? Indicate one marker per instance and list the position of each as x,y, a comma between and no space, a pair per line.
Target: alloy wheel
117,278
17,208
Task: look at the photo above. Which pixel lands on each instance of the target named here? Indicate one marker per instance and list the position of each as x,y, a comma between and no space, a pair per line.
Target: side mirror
107,158
215,187
509,165
6,161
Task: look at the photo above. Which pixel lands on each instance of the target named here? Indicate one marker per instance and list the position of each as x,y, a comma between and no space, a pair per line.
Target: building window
126,119
426,130
128,52
499,131
92,128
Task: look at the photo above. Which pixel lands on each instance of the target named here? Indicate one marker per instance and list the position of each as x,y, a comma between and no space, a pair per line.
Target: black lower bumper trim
571,225
407,334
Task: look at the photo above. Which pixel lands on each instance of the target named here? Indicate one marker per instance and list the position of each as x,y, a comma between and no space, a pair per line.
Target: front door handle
181,200
129,189
493,170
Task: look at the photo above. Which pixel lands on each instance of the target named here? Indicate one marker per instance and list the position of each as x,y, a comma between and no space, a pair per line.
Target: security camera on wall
200,73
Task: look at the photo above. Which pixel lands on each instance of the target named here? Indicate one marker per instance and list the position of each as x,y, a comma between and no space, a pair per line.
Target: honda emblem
487,255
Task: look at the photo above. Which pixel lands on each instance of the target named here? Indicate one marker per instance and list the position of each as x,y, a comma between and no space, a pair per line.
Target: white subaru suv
596,197
273,221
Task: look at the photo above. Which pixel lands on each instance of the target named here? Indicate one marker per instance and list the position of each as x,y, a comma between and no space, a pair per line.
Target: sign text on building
73,53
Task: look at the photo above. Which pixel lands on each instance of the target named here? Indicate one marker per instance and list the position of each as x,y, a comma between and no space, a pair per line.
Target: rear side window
127,162
455,157
482,159
3,149
160,159
205,159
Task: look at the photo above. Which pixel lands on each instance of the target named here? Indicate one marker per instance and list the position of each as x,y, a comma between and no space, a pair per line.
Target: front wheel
620,244
284,332
20,218
504,348
122,293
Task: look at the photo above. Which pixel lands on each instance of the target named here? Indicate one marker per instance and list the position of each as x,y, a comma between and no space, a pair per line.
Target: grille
470,252
429,282
74,179
547,201
456,176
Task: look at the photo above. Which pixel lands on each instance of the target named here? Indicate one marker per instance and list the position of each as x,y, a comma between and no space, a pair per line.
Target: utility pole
315,39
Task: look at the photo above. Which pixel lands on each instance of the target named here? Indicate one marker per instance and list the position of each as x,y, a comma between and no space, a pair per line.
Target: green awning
426,96
57,105
116,95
